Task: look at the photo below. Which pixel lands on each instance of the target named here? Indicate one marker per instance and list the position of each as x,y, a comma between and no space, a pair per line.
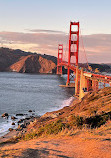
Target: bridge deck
93,76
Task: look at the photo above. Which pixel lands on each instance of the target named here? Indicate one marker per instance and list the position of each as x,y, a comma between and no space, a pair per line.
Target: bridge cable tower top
73,46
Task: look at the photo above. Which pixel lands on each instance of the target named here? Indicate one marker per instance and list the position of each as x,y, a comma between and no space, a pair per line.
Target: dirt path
67,147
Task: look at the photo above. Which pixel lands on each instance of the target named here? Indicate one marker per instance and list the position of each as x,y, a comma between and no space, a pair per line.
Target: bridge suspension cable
82,45
65,53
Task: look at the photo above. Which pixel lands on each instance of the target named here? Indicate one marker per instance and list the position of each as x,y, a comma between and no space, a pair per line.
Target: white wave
7,123
67,102
4,126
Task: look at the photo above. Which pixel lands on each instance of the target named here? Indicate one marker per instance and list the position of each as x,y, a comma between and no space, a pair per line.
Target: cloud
46,31
43,43
97,47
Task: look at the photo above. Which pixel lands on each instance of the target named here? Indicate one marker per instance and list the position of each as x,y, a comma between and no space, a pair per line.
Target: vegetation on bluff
26,62
92,112
82,128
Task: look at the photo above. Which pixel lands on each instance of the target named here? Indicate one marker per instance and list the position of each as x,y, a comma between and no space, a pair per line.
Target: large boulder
13,123
13,117
5,114
20,114
30,111
10,129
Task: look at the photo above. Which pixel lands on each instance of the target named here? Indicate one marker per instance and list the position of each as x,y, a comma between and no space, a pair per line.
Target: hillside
26,62
66,132
93,111
101,67
18,60
33,64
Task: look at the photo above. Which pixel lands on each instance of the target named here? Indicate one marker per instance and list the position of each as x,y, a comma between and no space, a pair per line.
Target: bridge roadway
93,76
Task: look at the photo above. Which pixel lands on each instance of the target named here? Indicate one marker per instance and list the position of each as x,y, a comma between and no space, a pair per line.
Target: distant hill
101,67
26,62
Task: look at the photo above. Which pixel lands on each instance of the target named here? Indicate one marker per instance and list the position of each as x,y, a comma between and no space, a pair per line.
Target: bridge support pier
83,85
89,85
59,70
77,82
68,76
86,85
95,85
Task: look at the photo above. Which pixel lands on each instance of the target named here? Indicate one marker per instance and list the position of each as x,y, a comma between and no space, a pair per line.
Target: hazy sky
46,23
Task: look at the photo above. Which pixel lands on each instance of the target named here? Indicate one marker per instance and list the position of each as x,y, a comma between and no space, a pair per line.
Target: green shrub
30,135
98,120
54,127
76,121
72,122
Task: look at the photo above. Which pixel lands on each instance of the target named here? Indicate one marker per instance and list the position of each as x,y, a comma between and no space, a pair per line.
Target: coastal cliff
26,62
68,131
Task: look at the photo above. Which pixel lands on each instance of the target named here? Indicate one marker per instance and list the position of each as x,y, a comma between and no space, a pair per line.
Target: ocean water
20,93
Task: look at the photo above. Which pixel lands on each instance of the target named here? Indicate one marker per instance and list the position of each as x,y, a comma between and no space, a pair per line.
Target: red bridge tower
73,47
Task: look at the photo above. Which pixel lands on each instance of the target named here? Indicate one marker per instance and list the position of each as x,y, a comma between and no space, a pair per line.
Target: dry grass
74,143
92,112
74,128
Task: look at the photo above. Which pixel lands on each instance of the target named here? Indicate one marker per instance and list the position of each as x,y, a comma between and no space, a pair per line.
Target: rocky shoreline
78,115
22,124
67,131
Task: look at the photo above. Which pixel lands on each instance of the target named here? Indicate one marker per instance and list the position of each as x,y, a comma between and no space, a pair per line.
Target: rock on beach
13,117
5,114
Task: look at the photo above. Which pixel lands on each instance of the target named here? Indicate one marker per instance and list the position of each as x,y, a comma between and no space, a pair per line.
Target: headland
82,129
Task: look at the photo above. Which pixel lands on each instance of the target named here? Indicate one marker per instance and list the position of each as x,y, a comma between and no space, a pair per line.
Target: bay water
20,93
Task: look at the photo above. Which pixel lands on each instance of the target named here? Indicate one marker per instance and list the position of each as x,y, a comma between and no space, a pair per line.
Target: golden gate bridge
75,60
